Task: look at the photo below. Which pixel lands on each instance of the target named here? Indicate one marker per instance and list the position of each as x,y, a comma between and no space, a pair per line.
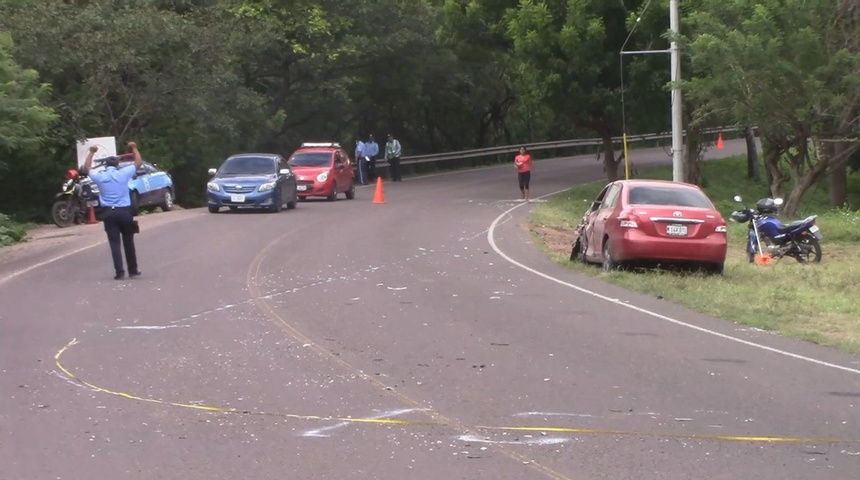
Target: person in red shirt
523,162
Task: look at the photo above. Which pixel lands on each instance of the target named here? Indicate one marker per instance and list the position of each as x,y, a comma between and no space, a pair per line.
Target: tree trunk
805,179
692,155
610,164
772,153
792,203
839,178
752,155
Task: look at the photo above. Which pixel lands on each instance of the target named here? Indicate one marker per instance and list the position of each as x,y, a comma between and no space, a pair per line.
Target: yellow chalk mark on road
431,423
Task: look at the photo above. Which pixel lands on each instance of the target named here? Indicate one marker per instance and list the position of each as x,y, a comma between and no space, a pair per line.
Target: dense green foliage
11,231
195,80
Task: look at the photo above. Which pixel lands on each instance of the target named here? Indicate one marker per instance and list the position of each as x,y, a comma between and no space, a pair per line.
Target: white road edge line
46,262
492,241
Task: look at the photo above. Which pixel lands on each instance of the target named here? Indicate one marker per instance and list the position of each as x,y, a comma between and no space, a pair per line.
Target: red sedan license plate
676,230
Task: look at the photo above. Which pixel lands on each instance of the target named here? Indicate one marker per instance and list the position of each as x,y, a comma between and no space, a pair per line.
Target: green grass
818,303
11,231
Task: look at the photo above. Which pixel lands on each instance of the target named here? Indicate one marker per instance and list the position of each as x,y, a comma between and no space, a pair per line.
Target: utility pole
675,76
677,107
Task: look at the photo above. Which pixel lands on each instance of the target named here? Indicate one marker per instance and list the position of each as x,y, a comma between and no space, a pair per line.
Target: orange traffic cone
720,141
91,218
379,196
763,259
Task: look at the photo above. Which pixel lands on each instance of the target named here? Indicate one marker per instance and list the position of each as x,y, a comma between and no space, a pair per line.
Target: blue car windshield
676,197
248,166
311,159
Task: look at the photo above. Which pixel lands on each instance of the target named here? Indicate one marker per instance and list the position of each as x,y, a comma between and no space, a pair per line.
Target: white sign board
107,148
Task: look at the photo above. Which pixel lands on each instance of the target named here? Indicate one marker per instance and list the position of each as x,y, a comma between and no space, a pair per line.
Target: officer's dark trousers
119,225
394,167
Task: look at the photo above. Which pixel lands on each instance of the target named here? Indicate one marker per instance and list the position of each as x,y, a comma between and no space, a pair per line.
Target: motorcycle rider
116,201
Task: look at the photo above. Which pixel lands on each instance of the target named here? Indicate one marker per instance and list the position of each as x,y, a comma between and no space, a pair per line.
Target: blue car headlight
267,186
213,187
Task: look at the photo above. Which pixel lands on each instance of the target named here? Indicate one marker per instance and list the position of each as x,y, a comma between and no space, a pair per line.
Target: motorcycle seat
790,226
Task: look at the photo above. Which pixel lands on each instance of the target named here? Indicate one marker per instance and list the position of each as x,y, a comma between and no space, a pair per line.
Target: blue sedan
253,180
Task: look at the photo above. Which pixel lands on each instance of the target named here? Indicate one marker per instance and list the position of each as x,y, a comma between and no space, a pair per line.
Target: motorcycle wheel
812,250
63,213
751,252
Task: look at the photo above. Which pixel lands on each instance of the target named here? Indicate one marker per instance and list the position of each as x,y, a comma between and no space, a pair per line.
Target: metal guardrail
587,142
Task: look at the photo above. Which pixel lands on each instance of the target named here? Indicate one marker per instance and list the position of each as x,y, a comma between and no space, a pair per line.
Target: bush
11,231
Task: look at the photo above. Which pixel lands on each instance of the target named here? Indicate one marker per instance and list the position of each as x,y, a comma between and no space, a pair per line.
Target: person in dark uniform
115,199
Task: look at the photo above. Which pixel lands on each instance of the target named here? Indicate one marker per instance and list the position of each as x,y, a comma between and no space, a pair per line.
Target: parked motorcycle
769,238
74,200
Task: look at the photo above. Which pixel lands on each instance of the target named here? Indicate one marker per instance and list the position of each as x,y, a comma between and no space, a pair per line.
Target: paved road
425,338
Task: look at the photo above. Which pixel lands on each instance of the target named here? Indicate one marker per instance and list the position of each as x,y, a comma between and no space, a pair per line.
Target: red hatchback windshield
311,159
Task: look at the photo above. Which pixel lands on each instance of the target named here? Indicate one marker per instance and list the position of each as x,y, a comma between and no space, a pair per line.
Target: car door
340,166
143,184
590,217
160,180
288,181
603,216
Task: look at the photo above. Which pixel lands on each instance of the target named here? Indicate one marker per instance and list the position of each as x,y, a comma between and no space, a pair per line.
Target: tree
569,54
24,119
792,68
474,31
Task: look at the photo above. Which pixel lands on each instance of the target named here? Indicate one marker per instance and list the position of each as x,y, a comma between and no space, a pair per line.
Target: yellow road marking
447,424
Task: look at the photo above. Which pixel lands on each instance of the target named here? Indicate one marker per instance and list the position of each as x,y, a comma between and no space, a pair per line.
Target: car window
670,196
311,159
599,200
611,197
247,166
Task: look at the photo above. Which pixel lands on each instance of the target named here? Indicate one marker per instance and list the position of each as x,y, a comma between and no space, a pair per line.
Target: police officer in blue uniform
115,200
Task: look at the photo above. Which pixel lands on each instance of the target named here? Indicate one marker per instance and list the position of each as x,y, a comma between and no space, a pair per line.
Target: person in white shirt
360,161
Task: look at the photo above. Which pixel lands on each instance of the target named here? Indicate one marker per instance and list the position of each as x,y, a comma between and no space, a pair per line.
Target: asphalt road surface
424,338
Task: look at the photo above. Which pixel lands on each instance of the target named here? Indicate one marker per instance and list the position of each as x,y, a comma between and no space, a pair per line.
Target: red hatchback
323,170
651,220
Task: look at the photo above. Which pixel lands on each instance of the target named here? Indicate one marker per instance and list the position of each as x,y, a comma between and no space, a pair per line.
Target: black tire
214,209
292,203
167,200
135,204
750,255
813,253
277,203
63,213
350,194
609,263
574,250
333,195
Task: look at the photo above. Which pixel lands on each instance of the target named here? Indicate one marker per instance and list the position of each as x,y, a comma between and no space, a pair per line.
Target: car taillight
627,220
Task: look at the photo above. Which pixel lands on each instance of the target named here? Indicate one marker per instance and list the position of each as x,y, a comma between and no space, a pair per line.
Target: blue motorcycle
769,238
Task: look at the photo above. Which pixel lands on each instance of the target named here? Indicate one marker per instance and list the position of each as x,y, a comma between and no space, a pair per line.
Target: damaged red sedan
653,222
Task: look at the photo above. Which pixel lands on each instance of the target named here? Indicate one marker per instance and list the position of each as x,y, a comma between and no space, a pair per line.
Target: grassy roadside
818,303
11,231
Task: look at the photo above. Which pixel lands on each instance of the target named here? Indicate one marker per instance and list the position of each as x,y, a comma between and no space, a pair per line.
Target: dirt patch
555,240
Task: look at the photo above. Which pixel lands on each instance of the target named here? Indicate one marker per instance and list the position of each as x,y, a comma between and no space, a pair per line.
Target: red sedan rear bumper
635,245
